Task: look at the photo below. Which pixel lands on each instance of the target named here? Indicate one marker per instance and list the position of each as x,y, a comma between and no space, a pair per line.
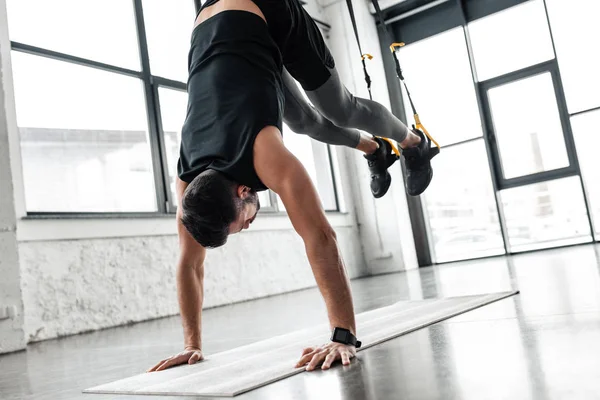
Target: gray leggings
337,114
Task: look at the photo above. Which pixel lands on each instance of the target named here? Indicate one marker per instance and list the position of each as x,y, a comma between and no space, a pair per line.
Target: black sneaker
379,162
418,164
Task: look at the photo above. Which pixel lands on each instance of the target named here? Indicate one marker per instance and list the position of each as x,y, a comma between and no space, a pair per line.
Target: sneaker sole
429,178
388,182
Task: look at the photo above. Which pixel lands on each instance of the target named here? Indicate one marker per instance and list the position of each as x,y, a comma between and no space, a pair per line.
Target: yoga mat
249,367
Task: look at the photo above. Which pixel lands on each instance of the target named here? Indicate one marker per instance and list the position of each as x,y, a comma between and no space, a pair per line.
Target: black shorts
304,52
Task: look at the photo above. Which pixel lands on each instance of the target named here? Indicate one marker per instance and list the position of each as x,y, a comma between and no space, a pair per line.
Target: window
264,198
576,31
545,214
529,194
460,207
84,138
102,31
169,25
511,39
586,129
91,114
438,73
527,126
316,160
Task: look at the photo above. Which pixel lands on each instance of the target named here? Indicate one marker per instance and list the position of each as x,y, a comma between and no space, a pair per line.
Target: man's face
250,207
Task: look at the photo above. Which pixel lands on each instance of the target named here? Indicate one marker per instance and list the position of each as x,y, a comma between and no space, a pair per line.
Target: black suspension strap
362,55
393,47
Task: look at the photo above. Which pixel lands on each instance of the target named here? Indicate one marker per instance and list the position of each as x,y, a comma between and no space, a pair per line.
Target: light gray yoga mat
235,371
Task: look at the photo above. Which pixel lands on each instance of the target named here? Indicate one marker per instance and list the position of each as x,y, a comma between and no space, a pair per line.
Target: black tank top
234,91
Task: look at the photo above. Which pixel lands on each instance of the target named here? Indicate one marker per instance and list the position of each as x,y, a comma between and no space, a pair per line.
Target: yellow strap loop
366,55
396,44
420,127
394,148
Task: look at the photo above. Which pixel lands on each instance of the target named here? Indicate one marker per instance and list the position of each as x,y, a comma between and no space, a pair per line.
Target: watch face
340,335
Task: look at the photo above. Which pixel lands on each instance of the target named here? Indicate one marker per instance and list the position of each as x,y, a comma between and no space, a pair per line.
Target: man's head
213,207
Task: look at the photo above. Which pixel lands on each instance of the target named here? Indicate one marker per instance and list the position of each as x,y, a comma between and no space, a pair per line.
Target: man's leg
340,106
303,118
337,104
310,62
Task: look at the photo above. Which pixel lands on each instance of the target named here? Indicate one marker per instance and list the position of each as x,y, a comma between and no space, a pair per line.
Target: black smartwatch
344,336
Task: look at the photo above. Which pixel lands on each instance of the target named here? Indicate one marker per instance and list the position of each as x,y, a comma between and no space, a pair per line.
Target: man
244,57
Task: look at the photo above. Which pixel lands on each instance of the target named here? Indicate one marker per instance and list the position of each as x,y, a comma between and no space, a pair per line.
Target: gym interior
92,100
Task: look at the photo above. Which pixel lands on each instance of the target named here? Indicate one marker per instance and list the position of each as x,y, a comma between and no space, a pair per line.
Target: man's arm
190,292
283,173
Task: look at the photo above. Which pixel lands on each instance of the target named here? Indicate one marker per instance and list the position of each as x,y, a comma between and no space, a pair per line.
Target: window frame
572,169
421,22
166,203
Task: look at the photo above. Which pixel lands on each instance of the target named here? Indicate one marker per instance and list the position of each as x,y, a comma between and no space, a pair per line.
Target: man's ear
243,191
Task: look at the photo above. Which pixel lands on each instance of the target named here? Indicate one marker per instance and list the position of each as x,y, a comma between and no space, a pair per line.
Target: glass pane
315,158
439,77
324,181
84,138
510,40
546,214
527,126
460,205
169,26
576,22
586,129
173,106
319,161
102,31
265,200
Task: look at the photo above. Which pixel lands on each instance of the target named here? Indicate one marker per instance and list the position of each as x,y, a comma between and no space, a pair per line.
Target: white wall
71,286
11,307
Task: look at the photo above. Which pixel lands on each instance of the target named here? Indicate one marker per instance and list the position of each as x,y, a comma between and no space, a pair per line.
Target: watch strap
344,336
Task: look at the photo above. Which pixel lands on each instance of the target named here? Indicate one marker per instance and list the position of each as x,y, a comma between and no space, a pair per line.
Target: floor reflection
542,344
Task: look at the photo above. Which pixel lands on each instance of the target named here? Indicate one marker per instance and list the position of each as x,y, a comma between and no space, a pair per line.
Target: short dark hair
209,206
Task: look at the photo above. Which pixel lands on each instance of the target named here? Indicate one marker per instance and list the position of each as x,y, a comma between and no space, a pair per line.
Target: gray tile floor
541,344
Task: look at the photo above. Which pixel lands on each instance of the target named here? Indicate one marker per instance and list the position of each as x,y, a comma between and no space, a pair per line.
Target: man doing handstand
244,58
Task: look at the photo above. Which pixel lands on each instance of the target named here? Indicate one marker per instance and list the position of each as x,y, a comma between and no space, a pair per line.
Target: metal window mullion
94,214
539,177
169,83
157,152
566,123
570,142
56,55
333,179
523,73
488,137
584,111
461,142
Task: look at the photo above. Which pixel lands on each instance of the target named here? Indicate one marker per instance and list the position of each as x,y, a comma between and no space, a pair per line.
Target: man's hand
188,356
326,355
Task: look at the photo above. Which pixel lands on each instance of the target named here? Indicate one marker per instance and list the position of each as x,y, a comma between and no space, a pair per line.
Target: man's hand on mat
326,355
189,356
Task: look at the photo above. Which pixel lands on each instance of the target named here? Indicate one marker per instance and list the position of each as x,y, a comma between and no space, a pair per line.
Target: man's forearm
190,290
328,268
